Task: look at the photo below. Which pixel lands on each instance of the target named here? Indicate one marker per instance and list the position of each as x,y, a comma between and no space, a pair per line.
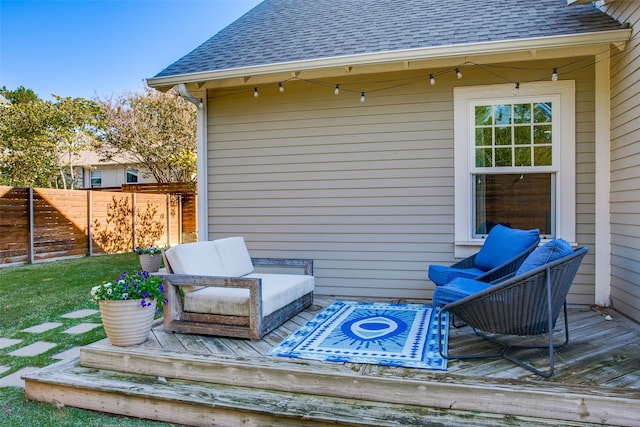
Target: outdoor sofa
213,289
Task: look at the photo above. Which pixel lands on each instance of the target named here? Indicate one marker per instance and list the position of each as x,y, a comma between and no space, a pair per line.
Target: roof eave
438,52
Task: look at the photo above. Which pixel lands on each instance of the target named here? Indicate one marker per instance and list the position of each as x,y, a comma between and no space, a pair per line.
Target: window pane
542,112
484,158
132,176
514,200
542,134
503,156
522,113
502,114
542,156
523,156
483,115
503,136
522,135
484,136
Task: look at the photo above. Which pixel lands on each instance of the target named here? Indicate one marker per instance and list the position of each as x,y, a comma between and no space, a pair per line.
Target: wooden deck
212,381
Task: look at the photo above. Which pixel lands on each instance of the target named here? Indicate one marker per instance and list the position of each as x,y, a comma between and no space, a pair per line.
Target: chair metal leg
506,348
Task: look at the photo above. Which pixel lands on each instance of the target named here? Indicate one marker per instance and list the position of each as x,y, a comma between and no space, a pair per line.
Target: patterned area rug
382,334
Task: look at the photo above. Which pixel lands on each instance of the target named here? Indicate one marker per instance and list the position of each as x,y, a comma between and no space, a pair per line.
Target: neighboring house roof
91,158
286,31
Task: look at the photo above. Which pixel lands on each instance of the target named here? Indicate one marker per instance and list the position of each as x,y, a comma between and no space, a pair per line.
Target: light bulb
255,92
280,87
554,75
337,90
458,73
362,97
432,80
516,90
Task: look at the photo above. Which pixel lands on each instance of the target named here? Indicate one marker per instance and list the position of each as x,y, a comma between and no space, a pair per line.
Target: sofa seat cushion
278,290
458,288
441,274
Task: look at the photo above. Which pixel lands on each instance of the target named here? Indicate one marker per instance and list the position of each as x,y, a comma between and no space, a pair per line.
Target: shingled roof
281,31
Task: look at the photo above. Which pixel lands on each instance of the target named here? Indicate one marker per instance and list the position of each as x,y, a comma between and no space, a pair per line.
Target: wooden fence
43,224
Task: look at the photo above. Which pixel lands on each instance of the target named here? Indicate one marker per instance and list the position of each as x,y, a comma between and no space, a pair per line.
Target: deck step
204,404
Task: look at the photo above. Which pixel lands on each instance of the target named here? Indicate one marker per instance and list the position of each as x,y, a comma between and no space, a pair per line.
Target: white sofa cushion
234,255
278,290
197,258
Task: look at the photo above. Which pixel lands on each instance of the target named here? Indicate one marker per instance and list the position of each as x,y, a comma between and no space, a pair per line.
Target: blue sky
99,48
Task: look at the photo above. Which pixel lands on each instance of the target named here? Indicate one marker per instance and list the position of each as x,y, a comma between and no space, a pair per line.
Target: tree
155,129
38,138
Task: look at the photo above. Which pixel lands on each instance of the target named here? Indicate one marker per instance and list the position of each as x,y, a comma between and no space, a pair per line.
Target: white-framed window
96,178
514,156
131,176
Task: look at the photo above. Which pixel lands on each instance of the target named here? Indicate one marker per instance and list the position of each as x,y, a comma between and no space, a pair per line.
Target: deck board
598,370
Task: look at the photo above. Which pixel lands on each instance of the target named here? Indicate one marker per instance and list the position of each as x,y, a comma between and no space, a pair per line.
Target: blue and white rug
382,334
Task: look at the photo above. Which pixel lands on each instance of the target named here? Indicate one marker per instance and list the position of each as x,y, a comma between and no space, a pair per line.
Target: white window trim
564,148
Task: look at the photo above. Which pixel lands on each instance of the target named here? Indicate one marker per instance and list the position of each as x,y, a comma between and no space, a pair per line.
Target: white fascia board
438,52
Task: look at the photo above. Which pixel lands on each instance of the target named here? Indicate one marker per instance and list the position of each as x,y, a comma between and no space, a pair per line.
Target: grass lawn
34,294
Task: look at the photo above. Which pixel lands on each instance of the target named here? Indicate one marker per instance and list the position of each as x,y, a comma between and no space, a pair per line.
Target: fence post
89,221
32,256
134,210
168,205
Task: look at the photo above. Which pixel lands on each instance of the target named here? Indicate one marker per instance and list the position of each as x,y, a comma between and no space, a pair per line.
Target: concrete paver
43,327
34,349
15,380
67,354
82,328
78,314
8,342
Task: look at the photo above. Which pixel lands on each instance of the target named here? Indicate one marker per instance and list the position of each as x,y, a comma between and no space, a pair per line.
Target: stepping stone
67,354
78,314
3,368
15,379
42,327
34,349
82,328
8,342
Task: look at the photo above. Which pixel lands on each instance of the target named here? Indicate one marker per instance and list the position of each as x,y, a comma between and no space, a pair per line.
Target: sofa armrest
305,264
174,281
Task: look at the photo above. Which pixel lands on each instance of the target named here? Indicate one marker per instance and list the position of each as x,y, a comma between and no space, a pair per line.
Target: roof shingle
278,31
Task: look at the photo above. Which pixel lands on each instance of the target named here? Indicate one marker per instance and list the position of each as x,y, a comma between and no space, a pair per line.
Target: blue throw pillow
550,251
503,244
458,288
440,274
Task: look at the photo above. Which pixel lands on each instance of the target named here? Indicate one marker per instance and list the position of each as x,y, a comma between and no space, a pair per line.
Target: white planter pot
151,263
127,322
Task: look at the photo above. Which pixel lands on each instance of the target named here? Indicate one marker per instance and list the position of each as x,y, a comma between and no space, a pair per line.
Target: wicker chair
500,257
525,305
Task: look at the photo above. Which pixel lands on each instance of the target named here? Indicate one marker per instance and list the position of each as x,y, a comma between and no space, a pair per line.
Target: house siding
366,190
625,173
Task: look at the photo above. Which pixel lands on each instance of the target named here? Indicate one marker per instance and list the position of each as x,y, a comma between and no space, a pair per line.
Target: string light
280,87
516,90
255,92
458,73
432,80
337,90
362,97
554,74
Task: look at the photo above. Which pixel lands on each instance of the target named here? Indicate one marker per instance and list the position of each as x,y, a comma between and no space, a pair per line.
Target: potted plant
150,257
128,306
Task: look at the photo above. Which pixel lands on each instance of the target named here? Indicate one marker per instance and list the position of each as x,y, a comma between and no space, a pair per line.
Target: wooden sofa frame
253,327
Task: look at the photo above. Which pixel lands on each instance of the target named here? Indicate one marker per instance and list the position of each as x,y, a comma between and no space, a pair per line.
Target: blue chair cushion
440,274
458,288
550,251
502,244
